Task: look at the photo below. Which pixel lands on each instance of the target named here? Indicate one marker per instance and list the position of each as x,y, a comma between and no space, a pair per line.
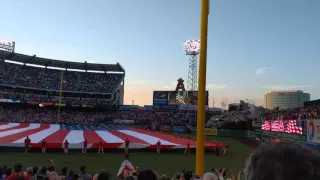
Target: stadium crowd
178,117
50,79
49,116
302,113
53,99
76,116
305,164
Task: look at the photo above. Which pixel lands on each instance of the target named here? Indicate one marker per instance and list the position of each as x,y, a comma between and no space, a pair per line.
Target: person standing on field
27,142
44,146
226,149
127,143
100,150
85,145
158,146
187,149
66,146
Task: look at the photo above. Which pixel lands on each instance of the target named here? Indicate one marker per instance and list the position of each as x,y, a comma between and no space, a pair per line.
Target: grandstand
36,79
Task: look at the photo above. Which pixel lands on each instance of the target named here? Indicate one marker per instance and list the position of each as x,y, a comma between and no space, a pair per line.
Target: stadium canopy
26,59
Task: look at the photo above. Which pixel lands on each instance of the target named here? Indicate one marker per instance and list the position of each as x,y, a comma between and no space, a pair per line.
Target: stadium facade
285,99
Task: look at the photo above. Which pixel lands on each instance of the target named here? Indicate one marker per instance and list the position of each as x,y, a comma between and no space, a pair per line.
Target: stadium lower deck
14,135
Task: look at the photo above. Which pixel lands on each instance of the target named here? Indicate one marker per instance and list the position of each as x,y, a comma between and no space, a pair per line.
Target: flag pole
202,88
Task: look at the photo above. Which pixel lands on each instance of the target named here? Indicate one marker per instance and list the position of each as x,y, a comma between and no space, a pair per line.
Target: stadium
61,110
51,102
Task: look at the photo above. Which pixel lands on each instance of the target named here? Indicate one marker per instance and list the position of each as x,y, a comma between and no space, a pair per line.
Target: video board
177,97
286,126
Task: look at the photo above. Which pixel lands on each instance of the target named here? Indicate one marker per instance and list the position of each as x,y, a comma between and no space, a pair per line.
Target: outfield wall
261,136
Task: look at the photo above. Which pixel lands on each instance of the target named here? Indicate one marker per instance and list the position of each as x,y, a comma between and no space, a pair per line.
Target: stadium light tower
192,48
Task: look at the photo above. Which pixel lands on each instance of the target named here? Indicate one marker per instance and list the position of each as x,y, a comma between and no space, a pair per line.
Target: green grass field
167,163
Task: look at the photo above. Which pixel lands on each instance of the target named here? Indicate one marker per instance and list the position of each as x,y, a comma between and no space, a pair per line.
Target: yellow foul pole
202,88
60,95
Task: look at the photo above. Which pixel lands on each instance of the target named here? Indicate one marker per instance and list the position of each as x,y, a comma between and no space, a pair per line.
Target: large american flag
291,126
294,127
277,126
180,98
266,126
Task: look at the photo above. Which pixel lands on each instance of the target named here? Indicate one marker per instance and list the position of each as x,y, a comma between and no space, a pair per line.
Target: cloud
261,71
287,87
216,86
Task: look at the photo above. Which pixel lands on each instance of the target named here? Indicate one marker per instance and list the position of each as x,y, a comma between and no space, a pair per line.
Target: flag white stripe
147,138
180,98
15,131
10,125
74,137
39,136
109,138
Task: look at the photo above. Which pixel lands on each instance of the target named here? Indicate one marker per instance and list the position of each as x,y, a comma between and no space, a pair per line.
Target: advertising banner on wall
210,131
125,107
285,135
169,107
154,127
148,107
166,128
313,131
10,101
178,129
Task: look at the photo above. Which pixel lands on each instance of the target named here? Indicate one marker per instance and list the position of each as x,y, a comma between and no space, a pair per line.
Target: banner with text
178,129
313,131
166,128
210,131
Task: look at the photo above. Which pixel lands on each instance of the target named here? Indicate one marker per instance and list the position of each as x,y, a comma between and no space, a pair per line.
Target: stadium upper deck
24,75
26,59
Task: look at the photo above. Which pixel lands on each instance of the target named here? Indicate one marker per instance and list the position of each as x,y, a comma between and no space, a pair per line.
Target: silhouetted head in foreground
283,161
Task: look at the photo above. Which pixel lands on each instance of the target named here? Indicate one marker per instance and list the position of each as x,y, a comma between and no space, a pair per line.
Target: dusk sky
254,46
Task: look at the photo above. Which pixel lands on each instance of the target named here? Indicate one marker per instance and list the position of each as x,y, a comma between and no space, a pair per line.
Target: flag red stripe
169,137
4,123
92,137
20,126
123,136
56,139
14,137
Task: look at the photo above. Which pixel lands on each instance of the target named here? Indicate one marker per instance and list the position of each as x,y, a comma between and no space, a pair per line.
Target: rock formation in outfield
238,112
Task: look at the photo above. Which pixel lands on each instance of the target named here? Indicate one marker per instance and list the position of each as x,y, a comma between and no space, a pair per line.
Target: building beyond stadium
285,99
111,75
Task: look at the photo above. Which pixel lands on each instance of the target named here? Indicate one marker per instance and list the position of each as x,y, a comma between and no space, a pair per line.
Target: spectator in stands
70,175
129,177
187,175
283,161
1,173
49,79
83,174
35,170
104,175
18,173
7,172
64,171
75,177
210,176
147,174
29,172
